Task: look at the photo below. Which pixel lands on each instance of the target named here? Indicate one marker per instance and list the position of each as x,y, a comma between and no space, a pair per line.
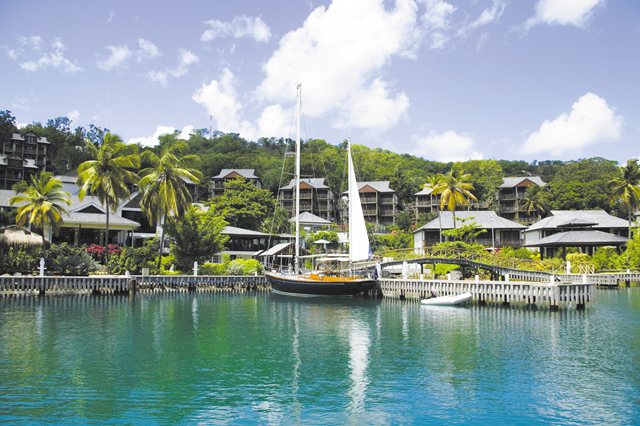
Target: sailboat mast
296,264
350,196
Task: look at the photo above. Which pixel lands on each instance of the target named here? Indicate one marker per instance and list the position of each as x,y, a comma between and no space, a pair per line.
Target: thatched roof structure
15,235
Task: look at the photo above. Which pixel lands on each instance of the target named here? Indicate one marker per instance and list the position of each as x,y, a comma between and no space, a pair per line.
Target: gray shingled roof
379,186
485,219
233,230
425,191
510,182
246,173
579,238
601,218
317,183
311,219
97,219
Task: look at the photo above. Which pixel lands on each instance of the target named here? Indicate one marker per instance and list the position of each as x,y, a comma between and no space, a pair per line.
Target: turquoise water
224,358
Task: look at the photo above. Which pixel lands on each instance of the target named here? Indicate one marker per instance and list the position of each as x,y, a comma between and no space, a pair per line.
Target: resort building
310,222
511,195
23,156
498,231
582,229
315,197
379,203
426,201
246,243
216,183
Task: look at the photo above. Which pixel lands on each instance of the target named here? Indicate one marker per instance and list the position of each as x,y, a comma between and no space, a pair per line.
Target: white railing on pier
553,295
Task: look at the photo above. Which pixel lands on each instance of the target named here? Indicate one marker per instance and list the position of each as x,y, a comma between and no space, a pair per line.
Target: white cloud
219,97
563,12
33,47
241,26
161,130
373,108
447,146
350,42
117,56
487,16
73,115
146,50
159,77
275,121
590,121
437,20
186,58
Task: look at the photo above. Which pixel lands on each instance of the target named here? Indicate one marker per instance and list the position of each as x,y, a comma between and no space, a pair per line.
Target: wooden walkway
552,295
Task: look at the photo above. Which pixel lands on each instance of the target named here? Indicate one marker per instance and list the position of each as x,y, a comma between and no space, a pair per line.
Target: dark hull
302,286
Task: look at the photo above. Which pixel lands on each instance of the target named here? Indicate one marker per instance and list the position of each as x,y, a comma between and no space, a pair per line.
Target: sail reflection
359,343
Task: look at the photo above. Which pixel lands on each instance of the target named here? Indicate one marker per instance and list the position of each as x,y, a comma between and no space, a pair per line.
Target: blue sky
445,80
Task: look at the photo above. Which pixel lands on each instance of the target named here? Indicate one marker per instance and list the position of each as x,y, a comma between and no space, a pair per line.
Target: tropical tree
625,188
243,204
109,174
164,185
197,236
534,201
41,203
454,189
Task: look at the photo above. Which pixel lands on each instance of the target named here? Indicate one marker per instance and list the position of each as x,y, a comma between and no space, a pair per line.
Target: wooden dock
551,295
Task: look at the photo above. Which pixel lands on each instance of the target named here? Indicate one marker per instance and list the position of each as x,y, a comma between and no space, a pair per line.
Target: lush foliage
67,259
467,232
244,267
40,203
197,236
243,204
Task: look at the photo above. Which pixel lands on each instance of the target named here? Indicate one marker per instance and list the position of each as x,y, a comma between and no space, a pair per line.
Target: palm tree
109,174
454,189
626,189
534,203
163,185
41,203
432,182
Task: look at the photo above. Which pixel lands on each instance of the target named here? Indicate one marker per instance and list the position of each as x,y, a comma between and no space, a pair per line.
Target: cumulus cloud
119,55
240,27
437,20
275,121
186,58
590,121
37,55
447,146
563,12
374,108
351,42
162,130
220,99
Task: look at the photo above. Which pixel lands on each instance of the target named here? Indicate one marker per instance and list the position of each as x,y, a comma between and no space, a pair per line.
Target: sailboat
316,283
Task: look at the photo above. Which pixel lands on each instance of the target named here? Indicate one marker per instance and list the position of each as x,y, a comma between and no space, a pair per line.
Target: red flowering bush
98,251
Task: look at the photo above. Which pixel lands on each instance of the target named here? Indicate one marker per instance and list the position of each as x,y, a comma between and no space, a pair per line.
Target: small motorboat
447,300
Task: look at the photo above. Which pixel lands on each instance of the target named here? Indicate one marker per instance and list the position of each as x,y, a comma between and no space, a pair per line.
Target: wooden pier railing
552,295
549,294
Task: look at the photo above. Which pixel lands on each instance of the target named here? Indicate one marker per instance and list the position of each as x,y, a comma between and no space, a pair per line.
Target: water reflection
358,361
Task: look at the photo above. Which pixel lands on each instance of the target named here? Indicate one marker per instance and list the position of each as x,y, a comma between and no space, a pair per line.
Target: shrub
66,259
213,269
18,259
244,267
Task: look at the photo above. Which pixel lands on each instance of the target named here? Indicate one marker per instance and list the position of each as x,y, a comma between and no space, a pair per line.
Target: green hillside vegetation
576,184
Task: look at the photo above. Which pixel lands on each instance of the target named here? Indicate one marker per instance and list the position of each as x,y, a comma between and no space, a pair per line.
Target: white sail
358,238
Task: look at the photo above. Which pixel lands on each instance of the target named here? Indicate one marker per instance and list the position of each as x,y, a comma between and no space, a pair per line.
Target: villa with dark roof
582,229
379,203
21,157
315,197
216,183
426,201
510,198
499,232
